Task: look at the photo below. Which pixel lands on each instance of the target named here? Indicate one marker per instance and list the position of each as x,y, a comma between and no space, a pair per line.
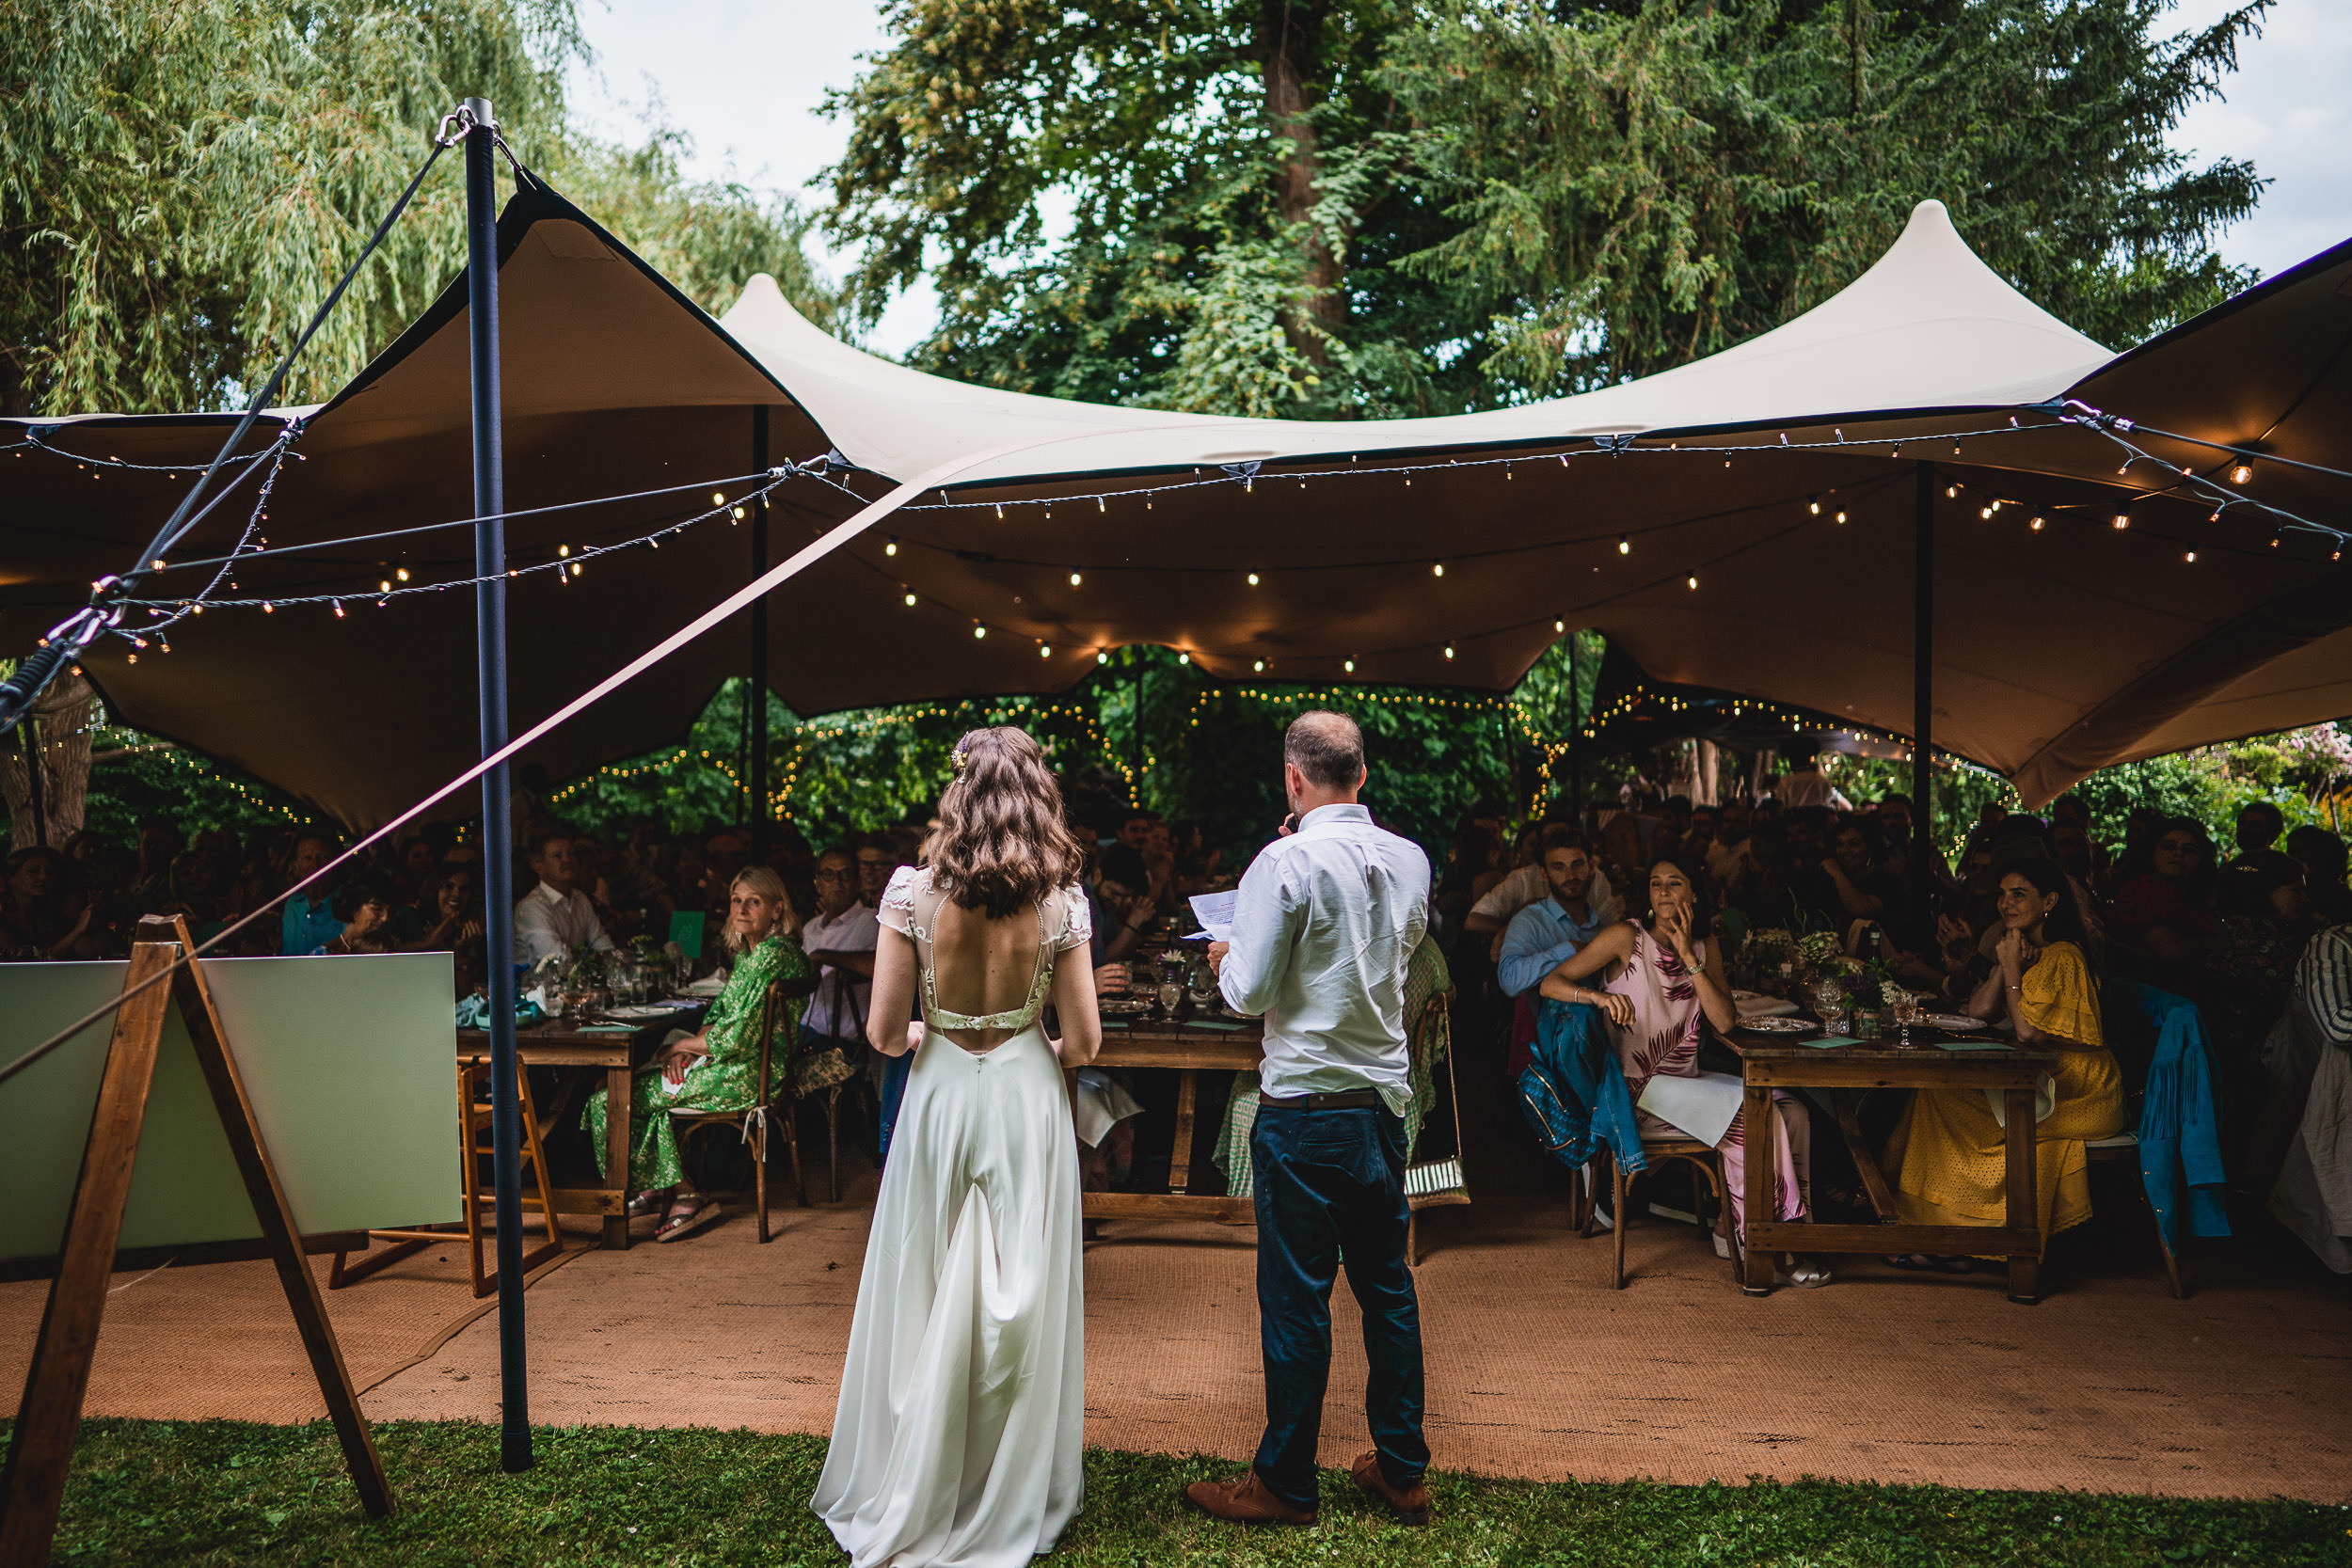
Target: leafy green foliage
182,181
1362,207
227,1492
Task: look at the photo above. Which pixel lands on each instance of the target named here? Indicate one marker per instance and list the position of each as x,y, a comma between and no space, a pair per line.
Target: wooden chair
754,1119
473,1148
1700,1157
1442,1181
2123,1150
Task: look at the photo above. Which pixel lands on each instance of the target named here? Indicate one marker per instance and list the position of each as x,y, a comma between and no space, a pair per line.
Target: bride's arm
893,1000
1073,1003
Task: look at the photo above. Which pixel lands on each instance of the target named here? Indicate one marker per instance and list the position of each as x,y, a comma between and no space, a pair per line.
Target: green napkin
1973,1045
1827,1041
1214,1023
609,1028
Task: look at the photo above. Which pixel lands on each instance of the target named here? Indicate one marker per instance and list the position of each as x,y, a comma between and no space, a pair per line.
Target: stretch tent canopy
1295,549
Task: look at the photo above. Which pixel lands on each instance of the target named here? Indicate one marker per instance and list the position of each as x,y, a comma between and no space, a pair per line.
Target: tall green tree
1374,207
181,182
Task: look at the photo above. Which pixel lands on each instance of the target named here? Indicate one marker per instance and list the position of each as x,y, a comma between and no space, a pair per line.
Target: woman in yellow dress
1947,1151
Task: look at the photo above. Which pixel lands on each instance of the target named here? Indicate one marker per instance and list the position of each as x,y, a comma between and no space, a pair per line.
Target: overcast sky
745,78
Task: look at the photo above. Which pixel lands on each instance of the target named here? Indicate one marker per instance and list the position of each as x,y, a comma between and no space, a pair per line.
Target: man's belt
1347,1099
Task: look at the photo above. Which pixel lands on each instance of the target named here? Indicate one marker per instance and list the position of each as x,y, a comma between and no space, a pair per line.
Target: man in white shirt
840,939
1327,918
555,916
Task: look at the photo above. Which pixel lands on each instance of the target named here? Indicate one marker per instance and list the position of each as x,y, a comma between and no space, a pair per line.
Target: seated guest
194,890
35,922
1547,933
2322,856
1948,1151
456,917
159,842
308,922
718,1068
1667,977
2259,825
2307,1126
555,916
2166,914
1857,889
364,905
1527,884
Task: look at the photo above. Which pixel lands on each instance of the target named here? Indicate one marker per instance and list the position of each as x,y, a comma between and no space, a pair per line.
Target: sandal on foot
1803,1273
682,1220
645,1203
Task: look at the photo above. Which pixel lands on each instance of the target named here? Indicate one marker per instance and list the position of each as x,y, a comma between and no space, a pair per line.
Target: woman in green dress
718,1068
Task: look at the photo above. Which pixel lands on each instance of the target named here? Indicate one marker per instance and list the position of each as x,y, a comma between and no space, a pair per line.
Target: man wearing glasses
840,940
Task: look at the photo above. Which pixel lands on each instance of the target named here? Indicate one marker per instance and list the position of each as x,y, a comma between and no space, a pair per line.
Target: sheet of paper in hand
1215,911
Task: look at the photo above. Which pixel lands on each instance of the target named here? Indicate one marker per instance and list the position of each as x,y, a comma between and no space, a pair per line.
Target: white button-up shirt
1323,928
550,921
839,1005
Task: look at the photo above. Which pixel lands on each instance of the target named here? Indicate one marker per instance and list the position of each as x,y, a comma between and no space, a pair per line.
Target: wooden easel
41,1449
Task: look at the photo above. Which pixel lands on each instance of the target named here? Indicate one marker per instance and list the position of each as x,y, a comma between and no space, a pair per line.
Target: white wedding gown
963,1397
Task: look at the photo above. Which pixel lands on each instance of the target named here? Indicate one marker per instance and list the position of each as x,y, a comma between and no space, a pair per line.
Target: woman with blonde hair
717,1069
962,1398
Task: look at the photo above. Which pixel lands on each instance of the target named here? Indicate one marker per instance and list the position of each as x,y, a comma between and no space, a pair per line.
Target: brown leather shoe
1410,1504
1245,1501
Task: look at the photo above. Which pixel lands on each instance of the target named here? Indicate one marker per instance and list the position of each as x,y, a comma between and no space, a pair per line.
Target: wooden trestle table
1843,1073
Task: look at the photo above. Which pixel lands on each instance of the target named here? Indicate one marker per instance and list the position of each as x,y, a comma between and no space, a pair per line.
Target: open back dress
963,1405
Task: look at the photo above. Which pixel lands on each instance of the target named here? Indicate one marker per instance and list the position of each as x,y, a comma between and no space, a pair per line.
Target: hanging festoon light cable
69,637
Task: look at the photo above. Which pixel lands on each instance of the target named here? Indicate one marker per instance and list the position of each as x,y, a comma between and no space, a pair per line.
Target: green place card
1973,1045
685,929
1214,1023
609,1028
1828,1041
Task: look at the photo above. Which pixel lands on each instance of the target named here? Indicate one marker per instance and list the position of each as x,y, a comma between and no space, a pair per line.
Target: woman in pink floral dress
1657,982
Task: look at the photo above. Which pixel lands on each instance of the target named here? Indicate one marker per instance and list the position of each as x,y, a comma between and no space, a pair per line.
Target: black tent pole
1923,657
757,771
497,868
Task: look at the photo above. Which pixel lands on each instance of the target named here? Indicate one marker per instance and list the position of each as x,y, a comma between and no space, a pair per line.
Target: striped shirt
2323,981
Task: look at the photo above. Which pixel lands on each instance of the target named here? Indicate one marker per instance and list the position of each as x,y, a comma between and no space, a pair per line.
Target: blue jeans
1327,1183
894,1094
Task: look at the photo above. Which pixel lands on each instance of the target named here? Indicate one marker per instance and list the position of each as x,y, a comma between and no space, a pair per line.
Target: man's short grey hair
1327,747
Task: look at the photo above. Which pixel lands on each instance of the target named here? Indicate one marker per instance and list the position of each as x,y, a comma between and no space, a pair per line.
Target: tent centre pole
497,858
1923,656
757,693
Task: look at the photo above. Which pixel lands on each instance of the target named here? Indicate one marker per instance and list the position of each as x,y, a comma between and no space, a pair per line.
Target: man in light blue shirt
309,921
1324,922
1548,932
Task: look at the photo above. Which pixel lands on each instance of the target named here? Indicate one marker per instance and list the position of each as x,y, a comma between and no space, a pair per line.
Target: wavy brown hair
1001,844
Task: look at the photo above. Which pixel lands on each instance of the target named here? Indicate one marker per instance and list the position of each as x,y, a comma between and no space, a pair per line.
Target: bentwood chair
1438,1182
1658,1152
774,1020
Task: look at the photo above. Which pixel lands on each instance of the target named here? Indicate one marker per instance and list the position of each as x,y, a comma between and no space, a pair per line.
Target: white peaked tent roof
1929,327
1693,542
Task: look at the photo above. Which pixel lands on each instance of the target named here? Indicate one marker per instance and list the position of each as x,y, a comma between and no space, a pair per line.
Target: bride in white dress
963,1398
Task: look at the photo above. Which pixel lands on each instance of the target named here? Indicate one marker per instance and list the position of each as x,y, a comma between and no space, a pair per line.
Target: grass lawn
217,1492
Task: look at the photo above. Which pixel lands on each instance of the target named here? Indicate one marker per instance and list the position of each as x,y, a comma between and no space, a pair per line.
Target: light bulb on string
1044,651
2122,520
384,585
1625,546
1437,568
2240,474
1694,583
892,547
1814,506
2191,556
1951,492
980,631
1253,579
1559,625
1184,658
1841,516
2035,525
1349,665
718,497
402,574
910,601
1075,580
1259,666
1102,658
